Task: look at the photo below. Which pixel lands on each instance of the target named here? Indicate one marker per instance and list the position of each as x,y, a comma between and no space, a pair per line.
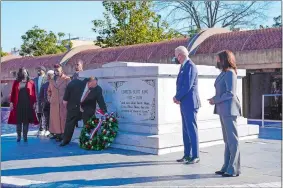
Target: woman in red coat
22,103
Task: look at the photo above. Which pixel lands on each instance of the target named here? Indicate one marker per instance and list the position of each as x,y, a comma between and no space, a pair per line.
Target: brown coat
58,111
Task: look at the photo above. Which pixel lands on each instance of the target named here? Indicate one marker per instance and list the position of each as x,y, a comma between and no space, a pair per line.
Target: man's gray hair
80,61
182,50
51,72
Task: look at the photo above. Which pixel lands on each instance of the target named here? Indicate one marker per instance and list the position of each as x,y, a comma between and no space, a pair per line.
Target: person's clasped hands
176,101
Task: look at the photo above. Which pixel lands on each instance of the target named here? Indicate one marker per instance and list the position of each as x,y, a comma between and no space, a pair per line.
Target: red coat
14,99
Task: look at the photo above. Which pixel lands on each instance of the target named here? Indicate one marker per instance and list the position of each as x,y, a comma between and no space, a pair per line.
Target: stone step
172,127
155,144
174,139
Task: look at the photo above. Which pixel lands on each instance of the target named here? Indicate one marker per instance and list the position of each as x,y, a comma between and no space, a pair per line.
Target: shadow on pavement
37,148
123,181
72,168
270,133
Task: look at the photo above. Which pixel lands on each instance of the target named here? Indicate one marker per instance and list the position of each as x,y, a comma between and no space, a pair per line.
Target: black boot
19,132
25,132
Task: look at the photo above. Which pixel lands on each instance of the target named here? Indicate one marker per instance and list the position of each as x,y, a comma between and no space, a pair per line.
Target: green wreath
98,134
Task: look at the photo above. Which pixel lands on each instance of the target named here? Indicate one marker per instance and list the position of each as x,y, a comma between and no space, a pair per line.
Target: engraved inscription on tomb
133,100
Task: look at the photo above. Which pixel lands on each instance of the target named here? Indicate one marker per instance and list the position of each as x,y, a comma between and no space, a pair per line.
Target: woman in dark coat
22,104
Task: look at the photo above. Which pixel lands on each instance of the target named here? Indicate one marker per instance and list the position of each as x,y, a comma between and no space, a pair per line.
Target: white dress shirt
84,93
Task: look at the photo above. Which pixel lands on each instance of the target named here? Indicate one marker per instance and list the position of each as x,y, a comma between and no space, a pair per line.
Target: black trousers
39,118
73,116
86,117
22,128
46,116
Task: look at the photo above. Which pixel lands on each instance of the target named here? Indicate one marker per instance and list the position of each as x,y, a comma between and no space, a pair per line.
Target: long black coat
39,106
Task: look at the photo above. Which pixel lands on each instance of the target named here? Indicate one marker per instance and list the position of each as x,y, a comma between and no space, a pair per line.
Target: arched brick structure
254,49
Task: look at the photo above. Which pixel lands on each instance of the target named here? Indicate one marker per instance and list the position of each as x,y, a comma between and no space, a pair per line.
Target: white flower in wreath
85,143
111,119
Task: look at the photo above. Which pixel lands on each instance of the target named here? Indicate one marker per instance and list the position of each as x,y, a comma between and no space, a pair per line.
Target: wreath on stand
99,133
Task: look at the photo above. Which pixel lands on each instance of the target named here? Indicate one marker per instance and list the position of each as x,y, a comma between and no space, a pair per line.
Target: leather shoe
184,159
219,172
229,175
63,144
59,139
193,161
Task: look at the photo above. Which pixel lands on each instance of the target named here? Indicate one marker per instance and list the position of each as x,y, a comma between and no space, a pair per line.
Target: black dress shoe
219,172
193,161
184,159
229,175
59,139
18,139
63,144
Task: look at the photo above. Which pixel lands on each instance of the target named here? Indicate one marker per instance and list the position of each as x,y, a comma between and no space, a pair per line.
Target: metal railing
262,106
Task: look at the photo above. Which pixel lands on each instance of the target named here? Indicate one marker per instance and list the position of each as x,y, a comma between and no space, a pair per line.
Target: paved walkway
42,163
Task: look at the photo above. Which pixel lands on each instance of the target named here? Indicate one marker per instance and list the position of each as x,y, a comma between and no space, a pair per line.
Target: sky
72,17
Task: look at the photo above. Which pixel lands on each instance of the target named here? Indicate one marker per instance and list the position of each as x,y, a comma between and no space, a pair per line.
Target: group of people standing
40,101
226,102
60,103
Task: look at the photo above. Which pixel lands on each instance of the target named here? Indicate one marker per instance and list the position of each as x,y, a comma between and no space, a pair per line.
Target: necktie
86,94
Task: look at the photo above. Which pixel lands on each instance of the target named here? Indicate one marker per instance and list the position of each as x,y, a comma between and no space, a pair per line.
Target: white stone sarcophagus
141,95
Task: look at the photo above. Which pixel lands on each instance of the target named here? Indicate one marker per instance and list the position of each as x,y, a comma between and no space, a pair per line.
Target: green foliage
130,22
38,42
192,32
3,53
103,138
277,23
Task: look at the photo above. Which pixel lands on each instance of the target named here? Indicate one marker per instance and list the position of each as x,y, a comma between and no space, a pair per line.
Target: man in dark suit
188,97
81,98
39,81
78,69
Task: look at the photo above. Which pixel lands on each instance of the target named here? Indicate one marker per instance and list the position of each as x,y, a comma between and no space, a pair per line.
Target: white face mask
25,73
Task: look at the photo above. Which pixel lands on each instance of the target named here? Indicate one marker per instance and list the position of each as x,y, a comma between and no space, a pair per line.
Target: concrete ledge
176,148
172,127
172,142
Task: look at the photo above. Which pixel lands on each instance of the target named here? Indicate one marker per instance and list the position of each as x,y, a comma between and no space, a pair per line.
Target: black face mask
175,60
23,76
218,65
39,73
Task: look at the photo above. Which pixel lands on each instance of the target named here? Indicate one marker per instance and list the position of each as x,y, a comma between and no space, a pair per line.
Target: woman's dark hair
21,75
56,66
227,60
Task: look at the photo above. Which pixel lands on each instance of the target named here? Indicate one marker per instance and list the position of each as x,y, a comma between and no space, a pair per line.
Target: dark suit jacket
43,97
73,93
187,86
89,104
39,106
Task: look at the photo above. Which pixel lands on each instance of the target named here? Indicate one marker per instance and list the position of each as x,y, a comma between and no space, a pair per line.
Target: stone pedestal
142,94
